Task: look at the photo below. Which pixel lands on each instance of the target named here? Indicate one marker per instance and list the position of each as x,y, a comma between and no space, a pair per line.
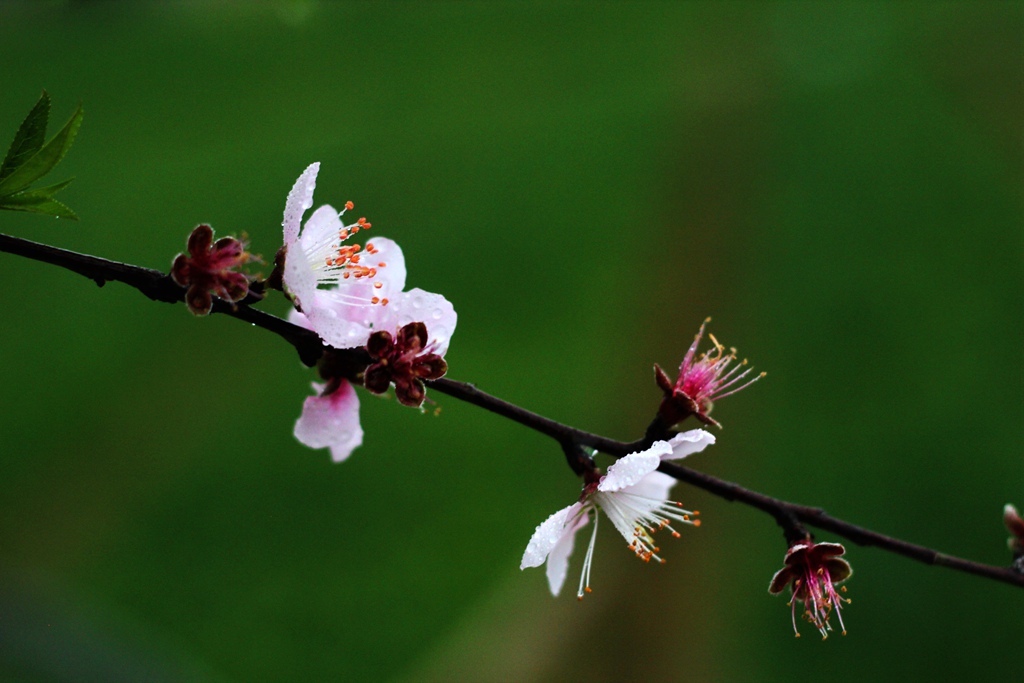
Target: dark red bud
199,241
410,392
198,300
412,337
380,344
430,366
377,378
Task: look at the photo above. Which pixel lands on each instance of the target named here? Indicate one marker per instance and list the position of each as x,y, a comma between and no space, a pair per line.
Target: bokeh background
837,184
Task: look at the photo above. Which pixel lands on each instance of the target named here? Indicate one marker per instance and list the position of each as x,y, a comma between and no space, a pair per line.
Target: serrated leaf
29,138
39,201
45,159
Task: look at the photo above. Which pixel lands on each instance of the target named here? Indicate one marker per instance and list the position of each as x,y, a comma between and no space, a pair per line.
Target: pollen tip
349,206
696,522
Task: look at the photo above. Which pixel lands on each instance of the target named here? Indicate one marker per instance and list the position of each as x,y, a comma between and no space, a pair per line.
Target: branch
159,287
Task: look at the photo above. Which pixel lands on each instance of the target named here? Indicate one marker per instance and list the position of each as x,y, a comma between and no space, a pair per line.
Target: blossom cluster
352,293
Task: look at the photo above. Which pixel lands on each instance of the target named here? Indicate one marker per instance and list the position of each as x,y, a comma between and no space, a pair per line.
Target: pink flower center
334,261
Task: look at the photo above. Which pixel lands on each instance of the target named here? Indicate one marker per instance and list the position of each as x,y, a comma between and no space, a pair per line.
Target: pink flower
349,294
345,290
331,420
813,570
633,495
208,270
702,380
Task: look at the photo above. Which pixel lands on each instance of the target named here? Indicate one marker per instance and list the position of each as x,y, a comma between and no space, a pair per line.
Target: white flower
633,495
344,289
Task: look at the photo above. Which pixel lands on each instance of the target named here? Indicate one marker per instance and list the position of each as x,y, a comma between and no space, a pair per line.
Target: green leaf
45,159
40,200
29,138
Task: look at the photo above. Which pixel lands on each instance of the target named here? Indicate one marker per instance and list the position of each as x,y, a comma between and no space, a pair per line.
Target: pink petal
299,278
343,316
322,226
299,199
392,275
331,422
296,318
434,311
341,323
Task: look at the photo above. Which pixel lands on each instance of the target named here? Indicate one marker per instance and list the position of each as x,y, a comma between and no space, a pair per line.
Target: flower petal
299,199
296,318
341,324
323,225
558,558
331,421
198,299
819,551
654,486
392,275
838,570
344,316
199,242
435,311
688,443
631,469
299,278
545,537
781,580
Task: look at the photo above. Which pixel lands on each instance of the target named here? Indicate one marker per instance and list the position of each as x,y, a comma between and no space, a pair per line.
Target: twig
790,516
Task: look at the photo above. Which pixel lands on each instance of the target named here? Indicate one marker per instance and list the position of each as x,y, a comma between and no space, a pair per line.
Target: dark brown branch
790,516
160,287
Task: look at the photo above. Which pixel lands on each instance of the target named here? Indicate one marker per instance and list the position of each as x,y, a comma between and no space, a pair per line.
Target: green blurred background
838,184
